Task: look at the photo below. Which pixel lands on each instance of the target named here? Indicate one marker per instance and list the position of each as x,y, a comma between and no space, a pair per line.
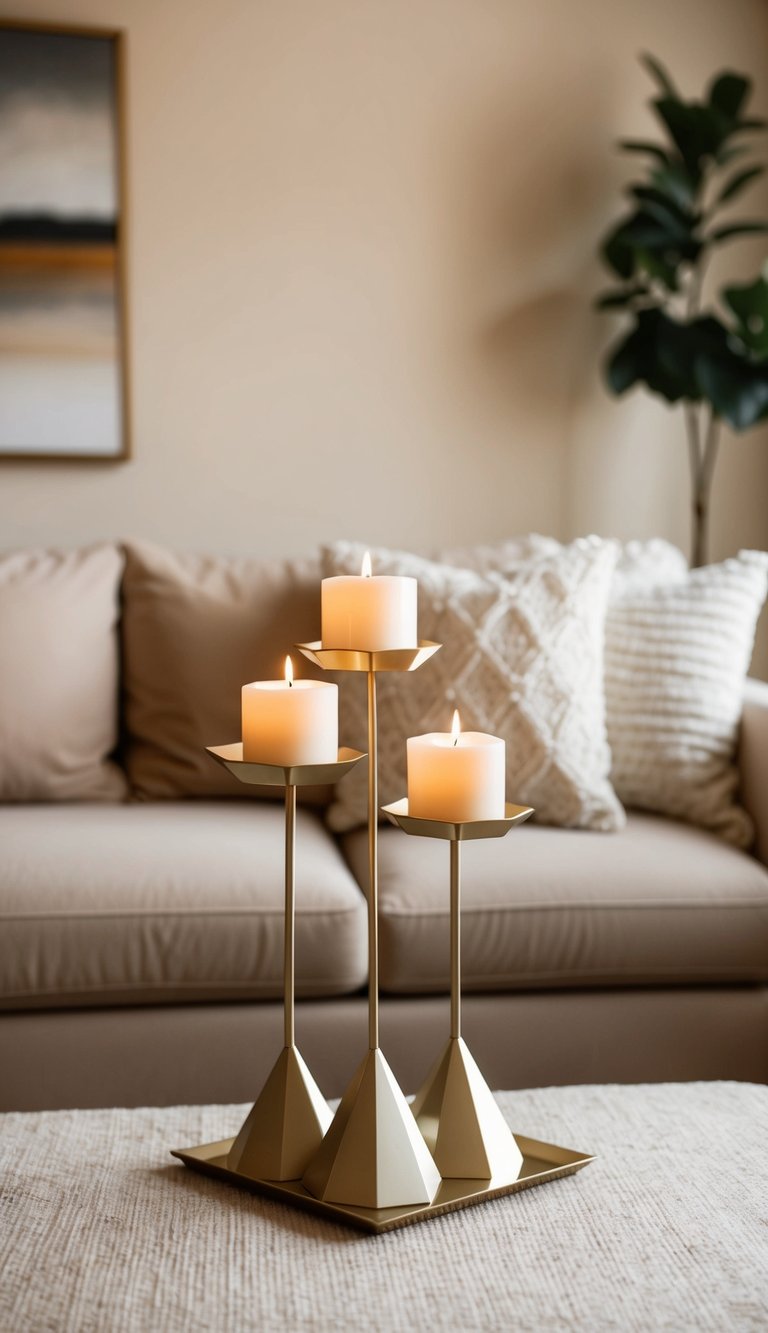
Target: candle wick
455,743
290,684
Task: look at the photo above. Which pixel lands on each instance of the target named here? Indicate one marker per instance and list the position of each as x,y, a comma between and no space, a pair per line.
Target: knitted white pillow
676,655
522,659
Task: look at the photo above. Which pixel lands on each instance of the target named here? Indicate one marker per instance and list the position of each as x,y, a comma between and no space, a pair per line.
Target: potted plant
711,358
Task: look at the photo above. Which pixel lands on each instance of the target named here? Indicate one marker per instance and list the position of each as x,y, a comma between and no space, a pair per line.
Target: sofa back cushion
58,675
196,628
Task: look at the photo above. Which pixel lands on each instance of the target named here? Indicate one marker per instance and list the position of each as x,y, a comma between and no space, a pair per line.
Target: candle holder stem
455,940
289,948
373,1155
373,867
286,1124
455,1109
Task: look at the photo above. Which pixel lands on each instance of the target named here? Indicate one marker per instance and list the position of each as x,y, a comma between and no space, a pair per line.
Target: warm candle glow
452,782
289,670
370,612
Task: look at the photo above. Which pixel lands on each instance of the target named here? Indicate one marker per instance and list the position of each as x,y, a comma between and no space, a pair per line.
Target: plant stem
701,457
702,471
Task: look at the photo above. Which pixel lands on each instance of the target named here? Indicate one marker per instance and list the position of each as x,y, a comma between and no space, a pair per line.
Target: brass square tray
542,1162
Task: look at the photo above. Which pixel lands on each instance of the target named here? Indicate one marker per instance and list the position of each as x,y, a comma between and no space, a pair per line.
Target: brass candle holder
374,1168
286,1123
377,1125
373,1155
454,1108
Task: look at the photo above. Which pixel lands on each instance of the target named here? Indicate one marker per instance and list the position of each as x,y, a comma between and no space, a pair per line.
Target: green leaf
652,263
729,92
665,209
697,131
736,229
737,390
644,232
625,366
617,298
749,304
727,155
753,124
653,352
644,146
658,72
737,182
675,182
665,354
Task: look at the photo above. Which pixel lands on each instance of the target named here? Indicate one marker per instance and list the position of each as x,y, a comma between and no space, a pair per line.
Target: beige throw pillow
522,659
196,628
59,675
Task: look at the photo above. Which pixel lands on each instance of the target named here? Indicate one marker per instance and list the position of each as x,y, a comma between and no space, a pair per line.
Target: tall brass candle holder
454,1108
373,1155
286,1123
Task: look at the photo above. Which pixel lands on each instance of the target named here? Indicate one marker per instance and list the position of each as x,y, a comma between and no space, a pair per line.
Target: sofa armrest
753,761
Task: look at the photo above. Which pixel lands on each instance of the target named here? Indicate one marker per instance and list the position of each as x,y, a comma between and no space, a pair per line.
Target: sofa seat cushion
169,902
660,903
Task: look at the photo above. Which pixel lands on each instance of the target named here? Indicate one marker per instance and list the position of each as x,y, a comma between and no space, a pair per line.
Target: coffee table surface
101,1230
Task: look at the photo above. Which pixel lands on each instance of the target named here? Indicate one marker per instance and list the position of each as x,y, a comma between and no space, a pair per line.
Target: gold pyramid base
373,1155
461,1121
285,1125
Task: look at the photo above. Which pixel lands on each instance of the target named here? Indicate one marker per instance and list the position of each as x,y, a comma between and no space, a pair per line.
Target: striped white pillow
676,655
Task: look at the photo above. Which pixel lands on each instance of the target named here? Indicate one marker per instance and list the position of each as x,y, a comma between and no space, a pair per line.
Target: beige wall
362,256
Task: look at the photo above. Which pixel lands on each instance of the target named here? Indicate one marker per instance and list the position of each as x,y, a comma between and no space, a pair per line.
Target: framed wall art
63,364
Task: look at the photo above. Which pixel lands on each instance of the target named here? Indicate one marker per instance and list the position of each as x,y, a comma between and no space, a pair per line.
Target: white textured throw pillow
522,658
676,655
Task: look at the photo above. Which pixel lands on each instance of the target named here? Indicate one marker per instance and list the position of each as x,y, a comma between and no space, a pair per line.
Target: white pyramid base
286,1124
373,1155
461,1122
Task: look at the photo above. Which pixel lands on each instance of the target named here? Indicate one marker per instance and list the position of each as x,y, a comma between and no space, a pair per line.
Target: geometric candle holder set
377,1163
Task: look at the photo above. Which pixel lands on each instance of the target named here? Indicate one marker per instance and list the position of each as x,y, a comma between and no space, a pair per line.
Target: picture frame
64,382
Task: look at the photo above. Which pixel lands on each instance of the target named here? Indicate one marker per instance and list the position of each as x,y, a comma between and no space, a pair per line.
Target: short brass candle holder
454,1108
373,1156
286,1123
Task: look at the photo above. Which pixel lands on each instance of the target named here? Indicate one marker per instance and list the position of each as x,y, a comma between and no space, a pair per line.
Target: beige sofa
141,917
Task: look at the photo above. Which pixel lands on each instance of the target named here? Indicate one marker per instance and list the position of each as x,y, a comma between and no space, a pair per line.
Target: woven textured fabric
522,658
676,656
101,1230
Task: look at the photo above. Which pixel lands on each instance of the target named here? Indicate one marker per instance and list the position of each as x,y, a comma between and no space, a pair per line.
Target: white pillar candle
369,612
456,776
290,721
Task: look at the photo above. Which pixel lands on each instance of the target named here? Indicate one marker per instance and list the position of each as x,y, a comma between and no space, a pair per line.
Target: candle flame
289,671
456,726
366,570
